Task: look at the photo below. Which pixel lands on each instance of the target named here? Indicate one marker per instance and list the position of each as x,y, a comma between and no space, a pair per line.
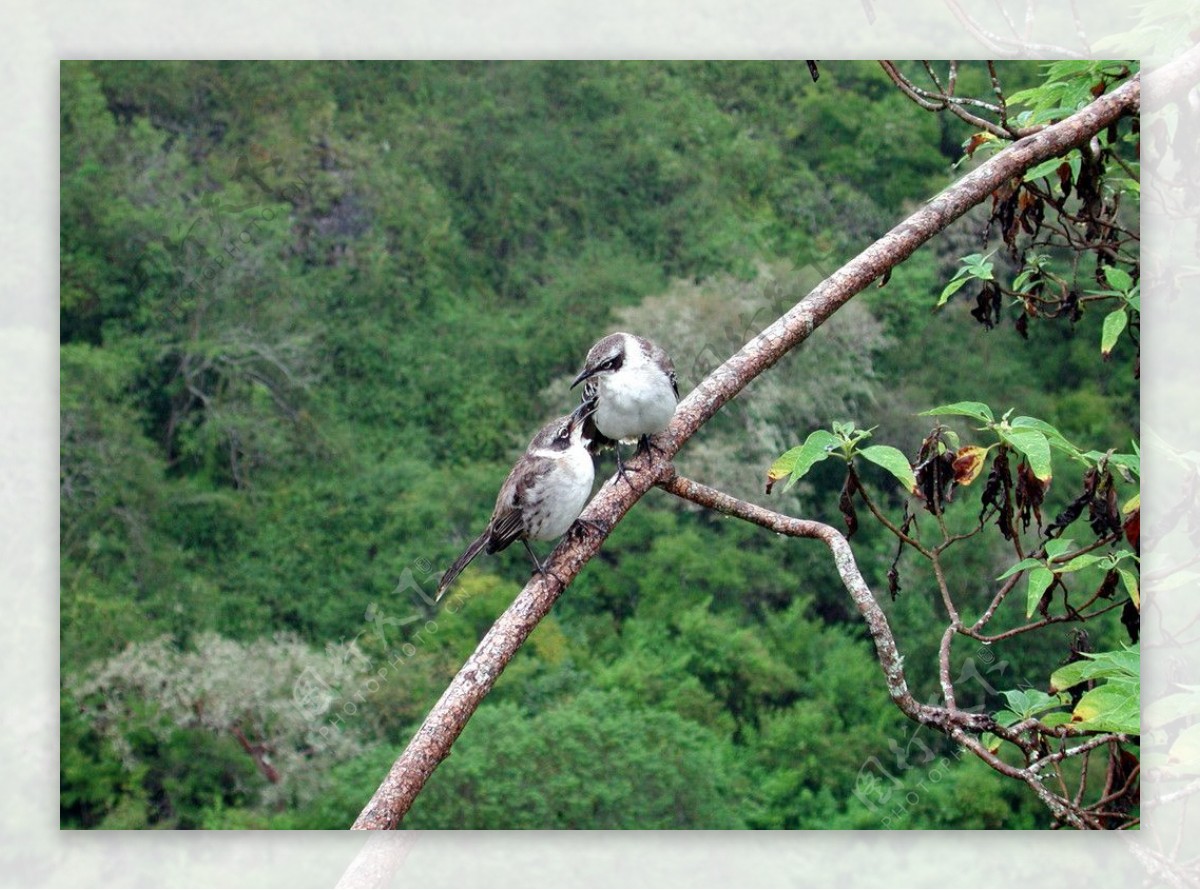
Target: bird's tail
461,563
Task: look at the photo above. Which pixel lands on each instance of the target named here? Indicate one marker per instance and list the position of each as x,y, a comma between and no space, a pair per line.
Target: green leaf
974,266
1058,547
1030,702
1131,462
1125,662
1078,672
952,288
799,460
783,465
990,741
1028,563
1006,717
1039,580
1118,279
1034,445
977,410
1080,562
1067,88
1045,168
894,461
1129,579
1113,707
1114,323
1053,436
1121,664
1056,718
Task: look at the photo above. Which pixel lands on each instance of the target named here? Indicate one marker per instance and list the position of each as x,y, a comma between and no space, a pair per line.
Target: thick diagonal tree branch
431,744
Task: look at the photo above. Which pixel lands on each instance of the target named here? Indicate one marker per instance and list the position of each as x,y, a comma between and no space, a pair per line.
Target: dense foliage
310,314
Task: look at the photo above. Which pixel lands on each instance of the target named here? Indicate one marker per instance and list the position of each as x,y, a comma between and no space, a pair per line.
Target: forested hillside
312,312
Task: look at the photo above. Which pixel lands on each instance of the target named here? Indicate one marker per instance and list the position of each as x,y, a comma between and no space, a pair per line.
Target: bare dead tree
432,742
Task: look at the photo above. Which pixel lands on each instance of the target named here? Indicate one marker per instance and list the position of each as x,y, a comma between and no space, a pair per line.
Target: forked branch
446,720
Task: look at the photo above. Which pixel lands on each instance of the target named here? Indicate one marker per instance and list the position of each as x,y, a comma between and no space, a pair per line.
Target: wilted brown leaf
1103,514
1030,492
1133,530
997,494
935,472
1065,178
977,140
1132,619
968,463
987,305
1109,585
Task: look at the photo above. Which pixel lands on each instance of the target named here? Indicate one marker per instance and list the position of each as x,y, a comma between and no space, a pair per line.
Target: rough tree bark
431,744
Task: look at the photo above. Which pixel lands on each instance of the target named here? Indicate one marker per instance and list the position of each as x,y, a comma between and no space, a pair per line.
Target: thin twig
943,102
898,532
864,600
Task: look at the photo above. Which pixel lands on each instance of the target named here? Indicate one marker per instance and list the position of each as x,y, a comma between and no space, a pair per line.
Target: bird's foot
545,573
647,444
539,567
621,472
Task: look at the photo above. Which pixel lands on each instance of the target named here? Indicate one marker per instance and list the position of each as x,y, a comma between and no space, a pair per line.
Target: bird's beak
583,411
582,376
579,418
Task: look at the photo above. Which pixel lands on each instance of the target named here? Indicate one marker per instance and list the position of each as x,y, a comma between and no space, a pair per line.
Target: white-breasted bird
631,382
543,495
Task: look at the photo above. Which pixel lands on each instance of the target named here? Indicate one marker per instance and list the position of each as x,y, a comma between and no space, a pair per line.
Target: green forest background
311,312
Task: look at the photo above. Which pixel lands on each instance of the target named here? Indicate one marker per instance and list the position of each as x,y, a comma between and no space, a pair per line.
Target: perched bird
630,391
545,492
